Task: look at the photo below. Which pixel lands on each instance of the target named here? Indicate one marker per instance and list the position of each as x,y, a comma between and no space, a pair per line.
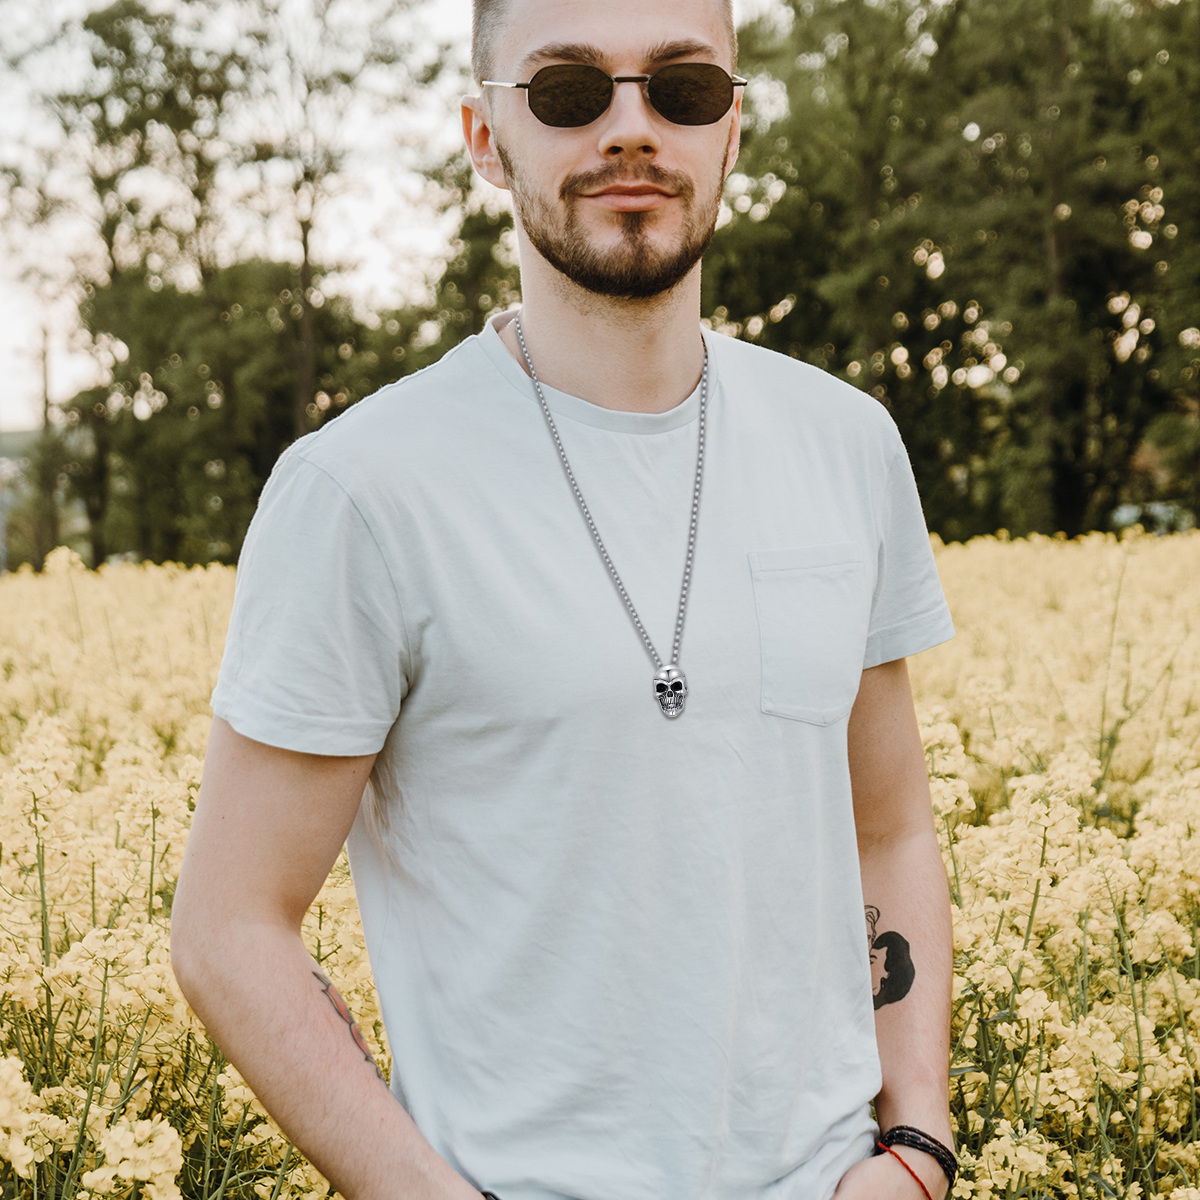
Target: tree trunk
306,359
96,502
46,529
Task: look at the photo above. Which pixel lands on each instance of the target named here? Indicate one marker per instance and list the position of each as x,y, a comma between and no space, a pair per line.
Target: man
609,881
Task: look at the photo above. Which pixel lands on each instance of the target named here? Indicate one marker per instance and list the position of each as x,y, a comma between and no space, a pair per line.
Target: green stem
237,1137
281,1174
76,1163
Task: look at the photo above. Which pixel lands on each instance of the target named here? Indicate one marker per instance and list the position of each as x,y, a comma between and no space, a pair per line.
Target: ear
481,145
735,132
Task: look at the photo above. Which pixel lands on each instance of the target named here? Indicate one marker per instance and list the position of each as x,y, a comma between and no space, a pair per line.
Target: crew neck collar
584,411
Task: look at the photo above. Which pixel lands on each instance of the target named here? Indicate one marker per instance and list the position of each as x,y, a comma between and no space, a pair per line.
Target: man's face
878,968
624,206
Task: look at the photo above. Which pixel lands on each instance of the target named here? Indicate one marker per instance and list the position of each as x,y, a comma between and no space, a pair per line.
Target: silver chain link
587,516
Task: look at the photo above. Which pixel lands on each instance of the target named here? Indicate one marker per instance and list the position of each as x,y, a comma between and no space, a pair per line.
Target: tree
1165,84
138,160
954,206
211,370
141,147
171,468
828,254
1043,205
480,276
322,68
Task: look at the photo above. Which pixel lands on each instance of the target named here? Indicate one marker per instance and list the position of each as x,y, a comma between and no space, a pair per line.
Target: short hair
898,965
488,15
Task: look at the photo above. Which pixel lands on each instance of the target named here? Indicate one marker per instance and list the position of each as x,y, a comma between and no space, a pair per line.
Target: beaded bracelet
915,1139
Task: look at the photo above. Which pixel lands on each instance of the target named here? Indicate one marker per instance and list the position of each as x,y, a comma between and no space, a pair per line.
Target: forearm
280,1021
904,880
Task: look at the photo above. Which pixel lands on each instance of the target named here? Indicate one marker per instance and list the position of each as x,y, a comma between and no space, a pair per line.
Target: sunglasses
569,95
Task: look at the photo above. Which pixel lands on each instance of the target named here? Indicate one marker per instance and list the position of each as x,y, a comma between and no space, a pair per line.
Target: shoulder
788,390
404,424
401,404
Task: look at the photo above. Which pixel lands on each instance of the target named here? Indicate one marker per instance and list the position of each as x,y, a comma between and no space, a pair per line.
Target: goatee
634,269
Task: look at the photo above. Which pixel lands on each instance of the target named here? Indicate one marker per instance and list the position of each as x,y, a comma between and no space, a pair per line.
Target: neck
633,356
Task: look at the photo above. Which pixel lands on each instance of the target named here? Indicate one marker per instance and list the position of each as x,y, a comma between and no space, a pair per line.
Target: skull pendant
670,690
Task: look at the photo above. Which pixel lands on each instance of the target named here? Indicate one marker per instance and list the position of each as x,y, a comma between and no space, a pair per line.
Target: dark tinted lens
569,94
691,93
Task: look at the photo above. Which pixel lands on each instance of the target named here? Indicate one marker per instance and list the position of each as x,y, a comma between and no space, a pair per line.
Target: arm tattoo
339,1007
892,970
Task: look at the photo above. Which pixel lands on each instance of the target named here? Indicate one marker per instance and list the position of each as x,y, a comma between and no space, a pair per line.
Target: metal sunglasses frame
735,81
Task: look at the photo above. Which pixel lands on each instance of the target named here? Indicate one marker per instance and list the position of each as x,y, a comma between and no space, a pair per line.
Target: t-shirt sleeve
316,655
908,609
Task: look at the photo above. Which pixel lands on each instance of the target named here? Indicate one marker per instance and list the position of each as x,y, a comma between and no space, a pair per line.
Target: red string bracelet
900,1159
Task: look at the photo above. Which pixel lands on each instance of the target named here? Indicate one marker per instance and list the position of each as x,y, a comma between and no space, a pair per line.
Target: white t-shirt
619,957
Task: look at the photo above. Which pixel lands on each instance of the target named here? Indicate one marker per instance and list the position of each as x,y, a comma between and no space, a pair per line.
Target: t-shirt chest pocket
813,611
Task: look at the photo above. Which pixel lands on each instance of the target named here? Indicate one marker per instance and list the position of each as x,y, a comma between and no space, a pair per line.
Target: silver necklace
670,684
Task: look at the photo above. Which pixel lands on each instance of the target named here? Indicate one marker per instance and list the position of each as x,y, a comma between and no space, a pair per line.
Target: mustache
618,173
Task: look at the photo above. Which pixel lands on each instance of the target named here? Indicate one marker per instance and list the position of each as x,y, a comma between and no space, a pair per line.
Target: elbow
187,945
217,939
203,940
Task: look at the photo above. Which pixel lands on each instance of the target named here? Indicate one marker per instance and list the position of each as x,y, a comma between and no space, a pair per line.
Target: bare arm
268,827
908,925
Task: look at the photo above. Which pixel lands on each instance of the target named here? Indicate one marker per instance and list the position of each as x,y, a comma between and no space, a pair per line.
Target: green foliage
151,103
986,216
173,454
214,369
480,276
980,213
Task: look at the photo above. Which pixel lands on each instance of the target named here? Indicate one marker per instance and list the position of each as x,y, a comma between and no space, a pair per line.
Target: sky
405,248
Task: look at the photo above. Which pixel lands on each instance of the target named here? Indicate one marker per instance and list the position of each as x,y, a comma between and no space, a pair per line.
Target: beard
634,269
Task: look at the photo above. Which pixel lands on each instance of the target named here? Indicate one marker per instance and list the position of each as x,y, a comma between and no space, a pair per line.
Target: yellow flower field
1062,727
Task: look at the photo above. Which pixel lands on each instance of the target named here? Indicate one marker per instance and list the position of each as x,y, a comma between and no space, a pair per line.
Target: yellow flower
1061,729
150,1151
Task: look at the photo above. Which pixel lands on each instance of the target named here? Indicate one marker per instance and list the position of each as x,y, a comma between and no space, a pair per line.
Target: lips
619,183
630,197
633,189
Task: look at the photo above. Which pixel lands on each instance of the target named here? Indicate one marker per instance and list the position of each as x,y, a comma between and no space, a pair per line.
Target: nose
630,127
